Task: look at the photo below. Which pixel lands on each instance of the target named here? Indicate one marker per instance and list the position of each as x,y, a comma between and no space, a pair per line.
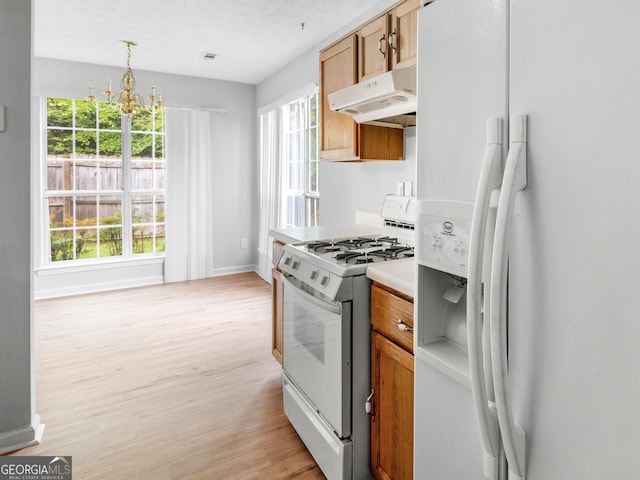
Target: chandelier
128,100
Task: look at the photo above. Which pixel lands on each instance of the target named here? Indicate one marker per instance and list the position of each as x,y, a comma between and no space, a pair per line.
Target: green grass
89,249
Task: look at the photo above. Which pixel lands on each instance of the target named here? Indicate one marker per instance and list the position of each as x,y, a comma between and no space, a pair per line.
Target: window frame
309,196
43,228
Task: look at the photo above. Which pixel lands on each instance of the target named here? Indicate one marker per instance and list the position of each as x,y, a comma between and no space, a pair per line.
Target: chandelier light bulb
129,102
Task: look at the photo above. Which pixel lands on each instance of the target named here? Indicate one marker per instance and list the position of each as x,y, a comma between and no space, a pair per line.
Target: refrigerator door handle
515,180
490,177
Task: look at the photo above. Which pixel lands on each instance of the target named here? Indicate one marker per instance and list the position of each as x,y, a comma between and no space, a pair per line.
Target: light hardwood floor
172,381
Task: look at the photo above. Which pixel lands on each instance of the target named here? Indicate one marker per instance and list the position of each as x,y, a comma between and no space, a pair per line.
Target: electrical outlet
243,243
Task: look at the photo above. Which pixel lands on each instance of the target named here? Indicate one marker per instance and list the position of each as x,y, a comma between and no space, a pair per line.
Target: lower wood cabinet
392,367
277,299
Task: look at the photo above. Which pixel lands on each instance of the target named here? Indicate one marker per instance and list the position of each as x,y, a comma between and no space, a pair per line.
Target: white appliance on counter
538,100
326,341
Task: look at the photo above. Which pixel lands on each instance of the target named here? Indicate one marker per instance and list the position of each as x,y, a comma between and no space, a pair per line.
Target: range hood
388,99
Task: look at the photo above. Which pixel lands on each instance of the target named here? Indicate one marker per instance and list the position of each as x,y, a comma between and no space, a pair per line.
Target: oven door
317,351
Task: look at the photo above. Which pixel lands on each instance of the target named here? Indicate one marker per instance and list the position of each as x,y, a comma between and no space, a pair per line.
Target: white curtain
269,187
189,230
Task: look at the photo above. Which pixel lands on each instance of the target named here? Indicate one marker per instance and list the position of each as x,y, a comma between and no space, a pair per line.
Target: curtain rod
205,109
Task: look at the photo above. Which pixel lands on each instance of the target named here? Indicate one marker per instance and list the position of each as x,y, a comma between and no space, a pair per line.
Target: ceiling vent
209,56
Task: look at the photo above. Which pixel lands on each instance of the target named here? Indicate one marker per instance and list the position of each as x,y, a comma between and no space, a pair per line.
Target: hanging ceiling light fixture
128,101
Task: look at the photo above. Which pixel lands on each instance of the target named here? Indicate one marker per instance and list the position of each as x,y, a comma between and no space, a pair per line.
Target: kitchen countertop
308,234
398,275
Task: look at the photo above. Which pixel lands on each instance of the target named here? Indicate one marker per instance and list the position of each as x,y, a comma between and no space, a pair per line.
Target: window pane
160,169
159,208
110,174
59,112
313,177
111,241
295,211
60,212
60,142
110,210
313,212
86,173
62,245
296,175
110,144
86,143
86,243
85,114
160,245
159,120
159,146
313,110
58,173
109,117
141,145
142,122
86,210
142,209
142,174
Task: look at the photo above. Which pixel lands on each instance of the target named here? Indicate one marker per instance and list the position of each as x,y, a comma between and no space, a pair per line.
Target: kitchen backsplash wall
349,187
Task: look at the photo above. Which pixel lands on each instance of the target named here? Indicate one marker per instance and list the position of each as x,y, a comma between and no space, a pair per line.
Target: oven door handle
333,307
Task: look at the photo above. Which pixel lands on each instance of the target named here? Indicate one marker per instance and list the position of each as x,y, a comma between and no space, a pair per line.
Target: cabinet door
392,411
278,300
373,48
338,70
403,38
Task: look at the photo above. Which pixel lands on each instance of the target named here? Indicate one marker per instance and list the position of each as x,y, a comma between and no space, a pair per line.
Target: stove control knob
314,275
325,281
287,261
295,265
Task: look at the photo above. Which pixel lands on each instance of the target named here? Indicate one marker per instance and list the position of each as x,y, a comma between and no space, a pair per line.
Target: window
105,181
300,162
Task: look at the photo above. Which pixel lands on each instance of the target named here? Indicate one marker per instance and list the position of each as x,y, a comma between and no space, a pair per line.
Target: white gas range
326,327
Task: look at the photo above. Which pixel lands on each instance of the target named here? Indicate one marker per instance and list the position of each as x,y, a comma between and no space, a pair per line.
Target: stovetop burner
350,244
356,257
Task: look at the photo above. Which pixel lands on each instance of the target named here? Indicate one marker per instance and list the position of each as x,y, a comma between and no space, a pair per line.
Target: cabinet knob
404,327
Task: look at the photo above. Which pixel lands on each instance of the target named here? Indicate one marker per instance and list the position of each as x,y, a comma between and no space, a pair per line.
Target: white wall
234,175
349,187
345,187
19,425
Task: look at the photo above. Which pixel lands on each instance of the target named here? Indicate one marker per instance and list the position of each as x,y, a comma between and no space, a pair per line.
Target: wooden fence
105,174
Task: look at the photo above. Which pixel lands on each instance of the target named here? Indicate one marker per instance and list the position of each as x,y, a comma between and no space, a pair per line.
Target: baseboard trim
22,437
218,272
97,287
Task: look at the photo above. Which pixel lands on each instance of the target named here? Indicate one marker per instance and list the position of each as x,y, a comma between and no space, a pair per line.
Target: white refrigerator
550,92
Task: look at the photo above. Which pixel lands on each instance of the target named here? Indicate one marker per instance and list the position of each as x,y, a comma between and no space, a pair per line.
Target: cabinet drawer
388,313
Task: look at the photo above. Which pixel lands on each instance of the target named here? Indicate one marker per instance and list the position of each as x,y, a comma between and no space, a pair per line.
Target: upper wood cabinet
338,70
342,138
373,58
361,55
403,34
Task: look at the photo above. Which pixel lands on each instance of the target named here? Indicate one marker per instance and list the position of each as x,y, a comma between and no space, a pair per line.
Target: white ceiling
252,38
